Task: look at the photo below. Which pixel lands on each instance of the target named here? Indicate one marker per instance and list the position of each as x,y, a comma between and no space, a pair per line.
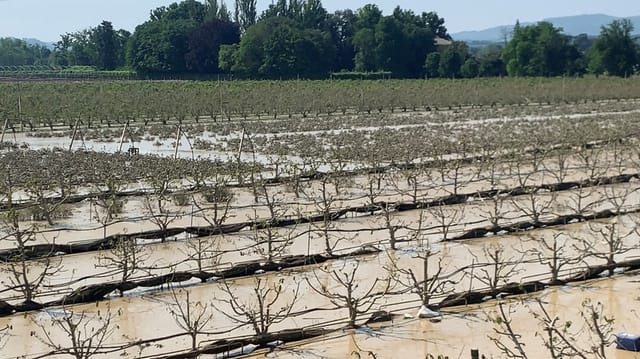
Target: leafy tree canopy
15,52
279,47
615,52
540,50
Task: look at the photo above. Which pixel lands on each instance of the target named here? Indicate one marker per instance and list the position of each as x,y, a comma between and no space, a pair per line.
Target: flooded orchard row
460,329
321,295
339,236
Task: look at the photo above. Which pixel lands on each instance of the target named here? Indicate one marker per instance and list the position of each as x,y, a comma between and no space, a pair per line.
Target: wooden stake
4,128
239,155
175,155
75,130
20,113
124,130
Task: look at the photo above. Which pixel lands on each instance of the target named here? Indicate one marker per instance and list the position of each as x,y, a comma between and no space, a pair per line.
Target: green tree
205,42
342,27
186,10
60,54
310,14
314,15
77,48
14,52
368,16
583,42
436,24
245,14
491,64
432,65
101,46
391,44
414,41
106,46
470,68
614,52
364,42
160,46
540,50
452,58
364,38
281,8
227,57
122,41
278,47
398,43
217,11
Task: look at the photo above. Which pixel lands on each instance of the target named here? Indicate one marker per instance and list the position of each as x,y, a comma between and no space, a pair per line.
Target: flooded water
314,295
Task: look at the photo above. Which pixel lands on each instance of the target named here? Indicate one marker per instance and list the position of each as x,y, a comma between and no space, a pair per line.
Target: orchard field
319,219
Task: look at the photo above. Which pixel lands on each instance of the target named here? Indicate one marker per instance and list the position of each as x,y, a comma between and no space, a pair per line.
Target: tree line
301,39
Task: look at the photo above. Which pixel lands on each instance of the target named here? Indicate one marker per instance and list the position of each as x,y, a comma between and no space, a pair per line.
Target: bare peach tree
217,197
505,338
190,316
215,204
324,201
47,203
591,160
349,292
493,209
271,240
560,338
600,327
429,282
266,305
126,257
583,199
4,335
555,253
494,267
203,252
416,178
85,334
555,334
610,241
446,218
391,222
26,275
529,173
156,203
559,163
107,204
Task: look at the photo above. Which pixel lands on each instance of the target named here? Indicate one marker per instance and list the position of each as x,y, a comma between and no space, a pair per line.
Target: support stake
75,130
124,130
175,154
4,128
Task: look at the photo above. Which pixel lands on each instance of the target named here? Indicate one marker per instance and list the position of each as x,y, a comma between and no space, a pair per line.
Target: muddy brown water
460,330
146,314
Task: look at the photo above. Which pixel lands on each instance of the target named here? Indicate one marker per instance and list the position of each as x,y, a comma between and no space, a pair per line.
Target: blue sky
47,19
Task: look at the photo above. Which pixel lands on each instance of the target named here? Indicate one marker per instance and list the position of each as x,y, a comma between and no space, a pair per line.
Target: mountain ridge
32,41
589,24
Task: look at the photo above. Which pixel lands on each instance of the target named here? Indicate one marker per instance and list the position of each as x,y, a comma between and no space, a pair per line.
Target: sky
46,20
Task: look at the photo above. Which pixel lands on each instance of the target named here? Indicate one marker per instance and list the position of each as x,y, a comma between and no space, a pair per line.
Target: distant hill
48,45
572,25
